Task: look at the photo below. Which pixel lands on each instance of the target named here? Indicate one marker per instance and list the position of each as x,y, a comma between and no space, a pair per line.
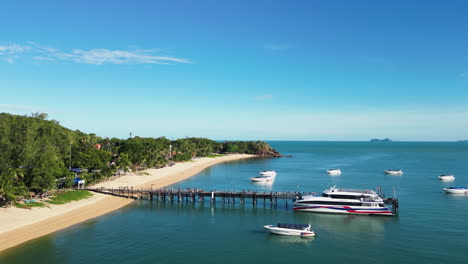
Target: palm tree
16,174
7,190
124,163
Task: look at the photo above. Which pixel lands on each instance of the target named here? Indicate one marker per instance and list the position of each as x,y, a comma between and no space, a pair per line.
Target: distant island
381,140
466,140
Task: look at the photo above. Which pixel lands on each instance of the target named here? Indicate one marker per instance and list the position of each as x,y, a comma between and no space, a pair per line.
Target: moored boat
262,179
268,173
291,230
446,177
394,172
334,172
345,201
456,190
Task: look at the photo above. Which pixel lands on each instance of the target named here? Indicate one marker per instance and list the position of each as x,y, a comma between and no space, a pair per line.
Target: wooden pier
229,197
200,195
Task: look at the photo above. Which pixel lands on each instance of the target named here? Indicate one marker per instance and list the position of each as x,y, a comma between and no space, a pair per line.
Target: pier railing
200,194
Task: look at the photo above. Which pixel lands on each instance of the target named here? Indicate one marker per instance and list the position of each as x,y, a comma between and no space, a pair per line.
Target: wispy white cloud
102,56
41,58
463,75
10,52
13,49
39,52
264,97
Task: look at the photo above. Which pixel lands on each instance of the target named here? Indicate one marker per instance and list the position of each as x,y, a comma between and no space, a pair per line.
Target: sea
430,227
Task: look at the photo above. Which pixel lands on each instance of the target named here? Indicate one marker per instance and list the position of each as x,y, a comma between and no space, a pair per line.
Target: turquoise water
431,227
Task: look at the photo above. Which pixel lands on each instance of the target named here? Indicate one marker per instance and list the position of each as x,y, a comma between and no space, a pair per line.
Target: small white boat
268,173
446,177
334,172
262,179
456,190
291,230
394,172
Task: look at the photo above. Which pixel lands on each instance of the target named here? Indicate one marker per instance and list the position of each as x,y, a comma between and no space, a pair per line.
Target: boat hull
261,179
446,178
389,172
344,210
334,172
289,232
456,191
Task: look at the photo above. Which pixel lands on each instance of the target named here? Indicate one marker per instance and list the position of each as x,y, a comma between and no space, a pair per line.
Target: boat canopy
293,226
76,180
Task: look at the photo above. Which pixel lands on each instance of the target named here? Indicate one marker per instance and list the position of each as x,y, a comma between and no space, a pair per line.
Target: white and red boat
291,230
343,201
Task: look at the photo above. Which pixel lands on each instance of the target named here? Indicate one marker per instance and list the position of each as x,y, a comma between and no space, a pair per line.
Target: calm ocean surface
431,227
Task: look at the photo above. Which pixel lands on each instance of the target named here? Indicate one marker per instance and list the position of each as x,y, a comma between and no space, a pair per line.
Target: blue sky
269,70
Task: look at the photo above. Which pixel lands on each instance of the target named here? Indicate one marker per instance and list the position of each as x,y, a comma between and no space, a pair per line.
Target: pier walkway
200,195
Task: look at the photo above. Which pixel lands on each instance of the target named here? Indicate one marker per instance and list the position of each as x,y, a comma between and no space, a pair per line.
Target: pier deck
200,195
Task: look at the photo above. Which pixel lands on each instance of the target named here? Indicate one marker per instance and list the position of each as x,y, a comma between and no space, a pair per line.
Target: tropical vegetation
37,154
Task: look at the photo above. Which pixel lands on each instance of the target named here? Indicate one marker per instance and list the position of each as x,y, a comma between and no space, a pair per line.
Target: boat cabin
293,226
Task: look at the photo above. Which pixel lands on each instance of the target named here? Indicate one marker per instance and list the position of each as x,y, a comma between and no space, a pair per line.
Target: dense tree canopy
36,154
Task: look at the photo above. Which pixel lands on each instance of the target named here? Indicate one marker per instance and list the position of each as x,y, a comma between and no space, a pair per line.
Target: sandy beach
21,225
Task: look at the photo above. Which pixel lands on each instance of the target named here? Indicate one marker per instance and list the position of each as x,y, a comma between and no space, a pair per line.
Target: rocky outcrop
266,151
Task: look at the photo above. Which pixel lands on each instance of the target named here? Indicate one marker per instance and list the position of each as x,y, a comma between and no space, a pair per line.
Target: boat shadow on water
336,223
455,196
263,186
289,239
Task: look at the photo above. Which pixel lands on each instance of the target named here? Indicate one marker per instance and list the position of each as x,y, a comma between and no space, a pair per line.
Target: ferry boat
446,177
456,190
394,172
268,173
262,179
291,230
344,201
334,172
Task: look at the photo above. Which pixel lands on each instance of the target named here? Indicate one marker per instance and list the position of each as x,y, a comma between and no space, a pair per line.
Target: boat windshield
293,226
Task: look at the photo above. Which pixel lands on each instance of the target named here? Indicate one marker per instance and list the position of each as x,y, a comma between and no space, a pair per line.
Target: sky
240,70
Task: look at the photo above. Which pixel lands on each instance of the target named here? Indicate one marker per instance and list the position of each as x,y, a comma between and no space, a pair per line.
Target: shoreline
22,225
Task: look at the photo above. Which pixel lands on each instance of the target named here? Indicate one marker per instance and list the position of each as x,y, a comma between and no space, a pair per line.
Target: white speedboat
291,230
334,172
268,173
456,190
394,172
262,179
446,177
344,201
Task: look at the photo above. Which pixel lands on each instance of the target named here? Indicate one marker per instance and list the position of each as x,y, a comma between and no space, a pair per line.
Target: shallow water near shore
431,227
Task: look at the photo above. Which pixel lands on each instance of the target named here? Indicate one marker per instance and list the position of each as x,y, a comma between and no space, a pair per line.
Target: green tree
123,163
